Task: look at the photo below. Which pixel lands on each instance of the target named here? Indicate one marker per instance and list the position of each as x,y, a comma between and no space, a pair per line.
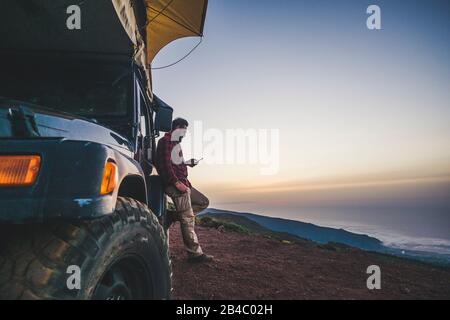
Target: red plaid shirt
169,170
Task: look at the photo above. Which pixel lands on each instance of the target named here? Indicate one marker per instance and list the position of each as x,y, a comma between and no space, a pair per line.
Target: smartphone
197,161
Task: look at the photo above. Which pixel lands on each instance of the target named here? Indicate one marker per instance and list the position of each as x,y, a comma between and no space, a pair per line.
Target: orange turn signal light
109,181
17,171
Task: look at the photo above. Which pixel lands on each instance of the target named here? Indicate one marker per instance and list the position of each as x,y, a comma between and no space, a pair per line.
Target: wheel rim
126,279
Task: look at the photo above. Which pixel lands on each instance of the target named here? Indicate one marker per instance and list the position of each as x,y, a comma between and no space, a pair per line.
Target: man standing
188,201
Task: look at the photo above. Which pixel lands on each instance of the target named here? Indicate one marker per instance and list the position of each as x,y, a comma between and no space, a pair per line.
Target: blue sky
358,110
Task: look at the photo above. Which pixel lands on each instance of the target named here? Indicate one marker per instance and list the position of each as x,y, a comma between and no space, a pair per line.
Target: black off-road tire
129,245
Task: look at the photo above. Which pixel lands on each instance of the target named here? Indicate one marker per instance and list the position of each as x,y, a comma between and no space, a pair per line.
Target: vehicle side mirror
163,116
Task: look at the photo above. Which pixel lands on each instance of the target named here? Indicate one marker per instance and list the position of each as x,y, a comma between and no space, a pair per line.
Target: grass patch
245,226
221,224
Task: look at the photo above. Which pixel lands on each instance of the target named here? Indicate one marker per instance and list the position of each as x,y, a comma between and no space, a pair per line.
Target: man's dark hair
179,122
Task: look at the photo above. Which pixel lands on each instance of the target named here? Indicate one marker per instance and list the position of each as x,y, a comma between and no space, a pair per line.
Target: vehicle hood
19,120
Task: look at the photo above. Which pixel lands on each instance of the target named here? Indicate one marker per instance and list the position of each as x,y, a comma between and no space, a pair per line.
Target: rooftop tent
42,26
137,29
121,27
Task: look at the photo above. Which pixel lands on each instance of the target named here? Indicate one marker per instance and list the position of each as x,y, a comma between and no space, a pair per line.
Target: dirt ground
255,267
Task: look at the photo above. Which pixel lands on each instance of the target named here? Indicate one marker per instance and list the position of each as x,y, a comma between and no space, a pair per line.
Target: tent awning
165,21
168,20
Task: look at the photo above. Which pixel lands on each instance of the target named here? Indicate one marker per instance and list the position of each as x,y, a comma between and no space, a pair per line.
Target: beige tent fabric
126,16
168,20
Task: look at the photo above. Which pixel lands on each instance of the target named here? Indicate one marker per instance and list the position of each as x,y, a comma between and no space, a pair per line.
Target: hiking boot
201,258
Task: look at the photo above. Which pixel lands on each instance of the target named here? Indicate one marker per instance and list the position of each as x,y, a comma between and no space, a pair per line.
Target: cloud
361,190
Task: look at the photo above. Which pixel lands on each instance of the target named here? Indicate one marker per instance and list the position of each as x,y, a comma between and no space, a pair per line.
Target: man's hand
192,162
181,187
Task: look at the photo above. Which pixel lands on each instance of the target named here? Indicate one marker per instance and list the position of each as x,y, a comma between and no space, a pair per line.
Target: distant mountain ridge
321,235
305,230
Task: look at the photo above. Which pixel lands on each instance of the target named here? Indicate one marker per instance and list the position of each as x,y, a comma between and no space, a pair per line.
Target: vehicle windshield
84,88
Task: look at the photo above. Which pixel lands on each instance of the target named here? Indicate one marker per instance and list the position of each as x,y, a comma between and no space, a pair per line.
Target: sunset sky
363,115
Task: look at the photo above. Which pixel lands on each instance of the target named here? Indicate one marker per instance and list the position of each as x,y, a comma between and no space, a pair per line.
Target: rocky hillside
258,265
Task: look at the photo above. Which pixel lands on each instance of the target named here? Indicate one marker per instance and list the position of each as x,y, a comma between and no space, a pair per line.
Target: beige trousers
187,205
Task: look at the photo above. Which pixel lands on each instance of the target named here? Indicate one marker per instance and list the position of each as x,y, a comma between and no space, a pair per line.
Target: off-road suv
75,179
81,207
